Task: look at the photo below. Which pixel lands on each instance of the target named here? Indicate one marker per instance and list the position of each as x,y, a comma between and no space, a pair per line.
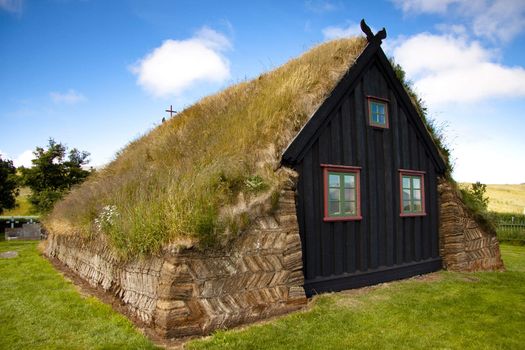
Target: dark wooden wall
382,246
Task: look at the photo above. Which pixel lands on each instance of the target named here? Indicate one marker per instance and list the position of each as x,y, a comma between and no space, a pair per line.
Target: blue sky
97,74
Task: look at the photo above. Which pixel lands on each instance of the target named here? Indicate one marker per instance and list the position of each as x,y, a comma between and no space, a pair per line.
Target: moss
255,184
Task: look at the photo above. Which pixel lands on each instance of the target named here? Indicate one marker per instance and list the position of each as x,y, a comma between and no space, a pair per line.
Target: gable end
309,133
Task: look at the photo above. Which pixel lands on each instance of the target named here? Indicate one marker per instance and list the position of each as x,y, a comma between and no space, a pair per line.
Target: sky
97,74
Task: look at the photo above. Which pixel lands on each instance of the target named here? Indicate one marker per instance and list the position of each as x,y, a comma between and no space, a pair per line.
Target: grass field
506,198
41,310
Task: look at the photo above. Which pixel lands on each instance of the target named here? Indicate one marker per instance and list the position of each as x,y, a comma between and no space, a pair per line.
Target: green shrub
474,198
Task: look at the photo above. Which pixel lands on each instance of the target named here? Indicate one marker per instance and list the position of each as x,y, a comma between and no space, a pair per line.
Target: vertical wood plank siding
382,246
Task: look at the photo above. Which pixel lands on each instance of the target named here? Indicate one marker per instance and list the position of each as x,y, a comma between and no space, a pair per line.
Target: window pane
417,194
416,181
406,195
350,208
406,182
333,180
333,208
349,181
350,195
417,206
406,206
381,108
381,119
333,194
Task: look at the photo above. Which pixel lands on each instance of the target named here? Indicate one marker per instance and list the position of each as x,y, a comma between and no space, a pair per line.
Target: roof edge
293,153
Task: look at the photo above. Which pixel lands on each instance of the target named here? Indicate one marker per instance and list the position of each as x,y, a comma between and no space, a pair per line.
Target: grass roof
191,179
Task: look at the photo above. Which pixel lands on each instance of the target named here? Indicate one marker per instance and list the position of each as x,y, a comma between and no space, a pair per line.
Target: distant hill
506,198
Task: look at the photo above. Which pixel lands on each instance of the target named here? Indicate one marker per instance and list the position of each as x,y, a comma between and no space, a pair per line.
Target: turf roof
191,179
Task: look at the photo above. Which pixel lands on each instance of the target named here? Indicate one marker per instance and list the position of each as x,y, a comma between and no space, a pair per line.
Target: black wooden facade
382,245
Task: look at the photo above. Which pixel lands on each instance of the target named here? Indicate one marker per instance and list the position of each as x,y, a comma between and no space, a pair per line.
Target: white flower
106,217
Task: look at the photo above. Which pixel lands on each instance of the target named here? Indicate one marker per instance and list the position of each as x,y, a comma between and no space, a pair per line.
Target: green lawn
41,310
451,311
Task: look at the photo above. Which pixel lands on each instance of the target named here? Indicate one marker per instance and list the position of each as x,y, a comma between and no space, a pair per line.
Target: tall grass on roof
179,182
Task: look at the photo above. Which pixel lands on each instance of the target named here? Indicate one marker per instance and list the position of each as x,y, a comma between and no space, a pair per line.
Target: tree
8,185
53,175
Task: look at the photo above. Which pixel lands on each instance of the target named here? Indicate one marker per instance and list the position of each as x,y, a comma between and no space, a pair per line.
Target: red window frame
412,173
327,168
387,116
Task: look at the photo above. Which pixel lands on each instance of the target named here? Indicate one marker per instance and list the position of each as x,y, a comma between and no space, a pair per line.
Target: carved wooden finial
366,29
369,35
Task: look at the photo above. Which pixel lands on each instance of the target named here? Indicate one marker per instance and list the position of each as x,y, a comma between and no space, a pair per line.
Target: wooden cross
171,111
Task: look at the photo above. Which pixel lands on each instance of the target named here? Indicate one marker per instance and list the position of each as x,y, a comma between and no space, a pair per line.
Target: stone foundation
465,245
189,292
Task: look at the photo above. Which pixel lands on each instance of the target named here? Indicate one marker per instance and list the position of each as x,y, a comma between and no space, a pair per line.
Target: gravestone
30,231
8,255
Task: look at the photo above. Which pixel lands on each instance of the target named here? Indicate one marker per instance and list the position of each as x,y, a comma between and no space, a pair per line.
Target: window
341,193
412,192
378,112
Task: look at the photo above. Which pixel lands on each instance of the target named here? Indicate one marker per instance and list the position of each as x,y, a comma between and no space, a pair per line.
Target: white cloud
178,64
493,19
24,159
424,6
334,32
502,20
69,97
320,6
13,6
448,68
505,165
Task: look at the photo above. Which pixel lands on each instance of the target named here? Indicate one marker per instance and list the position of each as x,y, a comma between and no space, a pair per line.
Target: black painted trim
371,277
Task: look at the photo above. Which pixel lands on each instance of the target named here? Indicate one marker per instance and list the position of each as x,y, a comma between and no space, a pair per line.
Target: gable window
342,195
378,112
412,185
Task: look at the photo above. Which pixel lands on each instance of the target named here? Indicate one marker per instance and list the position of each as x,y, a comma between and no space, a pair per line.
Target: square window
412,193
341,193
377,112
